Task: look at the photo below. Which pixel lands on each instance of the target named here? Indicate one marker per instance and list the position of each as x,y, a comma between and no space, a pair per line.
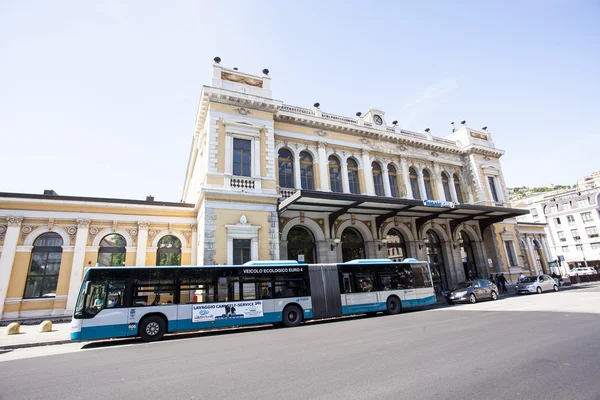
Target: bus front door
361,295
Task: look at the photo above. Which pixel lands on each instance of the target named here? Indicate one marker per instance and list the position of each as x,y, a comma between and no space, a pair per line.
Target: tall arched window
377,179
427,181
335,174
301,241
446,186
436,262
393,177
396,245
459,196
112,251
306,171
353,176
46,256
537,252
169,251
286,169
414,183
353,245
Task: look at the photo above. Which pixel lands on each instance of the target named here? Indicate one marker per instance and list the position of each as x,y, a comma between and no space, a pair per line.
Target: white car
582,271
537,284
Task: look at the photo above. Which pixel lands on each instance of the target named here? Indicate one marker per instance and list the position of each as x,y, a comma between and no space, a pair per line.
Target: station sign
440,203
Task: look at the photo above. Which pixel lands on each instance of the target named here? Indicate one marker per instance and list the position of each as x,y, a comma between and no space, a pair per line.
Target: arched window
427,181
393,177
468,257
537,252
306,171
301,241
436,262
396,245
286,169
112,251
459,196
446,186
335,174
353,177
377,179
169,251
353,245
46,256
414,183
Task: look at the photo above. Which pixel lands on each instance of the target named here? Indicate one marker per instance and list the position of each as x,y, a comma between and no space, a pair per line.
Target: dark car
471,291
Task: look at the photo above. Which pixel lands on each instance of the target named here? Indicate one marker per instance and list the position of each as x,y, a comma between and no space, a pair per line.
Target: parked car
582,271
472,291
537,284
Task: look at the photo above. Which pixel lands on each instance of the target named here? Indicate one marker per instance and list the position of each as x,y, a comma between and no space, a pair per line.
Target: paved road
534,347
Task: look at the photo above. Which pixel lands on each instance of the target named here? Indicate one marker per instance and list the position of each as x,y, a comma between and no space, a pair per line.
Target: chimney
50,192
149,198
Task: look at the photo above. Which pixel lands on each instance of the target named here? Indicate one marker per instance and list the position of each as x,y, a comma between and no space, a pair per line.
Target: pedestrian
521,277
492,279
479,275
502,281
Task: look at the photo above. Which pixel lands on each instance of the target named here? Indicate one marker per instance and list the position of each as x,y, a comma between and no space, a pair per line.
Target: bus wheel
393,306
152,328
292,316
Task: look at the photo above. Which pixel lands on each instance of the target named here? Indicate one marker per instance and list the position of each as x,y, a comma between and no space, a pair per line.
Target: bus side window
196,291
153,293
348,283
364,282
116,293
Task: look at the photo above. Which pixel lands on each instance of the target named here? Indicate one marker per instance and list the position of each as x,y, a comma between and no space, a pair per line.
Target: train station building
267,181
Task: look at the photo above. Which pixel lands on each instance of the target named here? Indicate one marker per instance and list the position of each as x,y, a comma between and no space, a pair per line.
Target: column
8,256
452,188
368,173
421,184
323,167
297,176
438,182
256,157
194,260
142,243
406,179
78,260
386,181
228,153
345,183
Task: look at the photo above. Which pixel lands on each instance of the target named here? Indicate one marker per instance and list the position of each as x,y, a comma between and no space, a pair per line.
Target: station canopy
338,204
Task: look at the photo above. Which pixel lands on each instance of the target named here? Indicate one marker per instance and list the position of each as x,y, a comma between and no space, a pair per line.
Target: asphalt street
528,347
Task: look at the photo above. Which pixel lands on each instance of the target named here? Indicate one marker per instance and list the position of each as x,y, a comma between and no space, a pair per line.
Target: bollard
13,329
46,326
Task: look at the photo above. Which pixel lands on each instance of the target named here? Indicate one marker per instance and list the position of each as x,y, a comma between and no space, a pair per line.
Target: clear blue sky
98,98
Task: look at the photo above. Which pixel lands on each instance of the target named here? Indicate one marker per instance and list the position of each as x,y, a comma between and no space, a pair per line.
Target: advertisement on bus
220,311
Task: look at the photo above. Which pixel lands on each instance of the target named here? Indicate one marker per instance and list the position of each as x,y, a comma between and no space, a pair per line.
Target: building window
335,174
169,251
112,251
534,212
300,241
46,256
427,181
575,234
396,245
377,179
579,247
446,186
591,231
557,221
241,157
492,182
571,219
510,253
586,216
306,171
414,183
241,251
565,249
353,177
537,252
595,246
583,202
459,195
286,168
561,236
393,177
566,206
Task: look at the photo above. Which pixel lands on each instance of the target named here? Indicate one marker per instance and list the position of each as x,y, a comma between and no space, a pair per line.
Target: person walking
521,277
502,281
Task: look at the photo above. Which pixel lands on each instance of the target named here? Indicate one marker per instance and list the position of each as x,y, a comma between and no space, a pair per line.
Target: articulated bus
151,301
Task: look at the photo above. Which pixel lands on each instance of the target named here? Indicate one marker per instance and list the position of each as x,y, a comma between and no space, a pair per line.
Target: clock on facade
378,120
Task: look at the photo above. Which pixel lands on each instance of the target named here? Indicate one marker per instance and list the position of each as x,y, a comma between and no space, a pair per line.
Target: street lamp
336,242
383,243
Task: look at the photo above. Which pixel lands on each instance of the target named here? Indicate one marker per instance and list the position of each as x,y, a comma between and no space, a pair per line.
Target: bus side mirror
86,290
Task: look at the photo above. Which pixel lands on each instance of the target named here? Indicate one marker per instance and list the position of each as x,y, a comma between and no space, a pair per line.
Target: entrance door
436,262
353,245
301,242
468,257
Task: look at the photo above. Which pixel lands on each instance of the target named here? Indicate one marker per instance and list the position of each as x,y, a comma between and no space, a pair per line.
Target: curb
38,344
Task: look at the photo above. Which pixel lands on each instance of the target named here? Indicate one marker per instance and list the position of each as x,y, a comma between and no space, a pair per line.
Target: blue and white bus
151,301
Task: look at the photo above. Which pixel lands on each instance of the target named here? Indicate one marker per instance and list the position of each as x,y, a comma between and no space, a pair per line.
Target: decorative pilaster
366,160
8,256
78,263
345,183
297,176
438,182
142,243
406,179
194,260
421,184
323,167
386,181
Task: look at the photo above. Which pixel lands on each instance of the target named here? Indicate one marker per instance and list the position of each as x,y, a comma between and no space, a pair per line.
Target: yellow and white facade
253,162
